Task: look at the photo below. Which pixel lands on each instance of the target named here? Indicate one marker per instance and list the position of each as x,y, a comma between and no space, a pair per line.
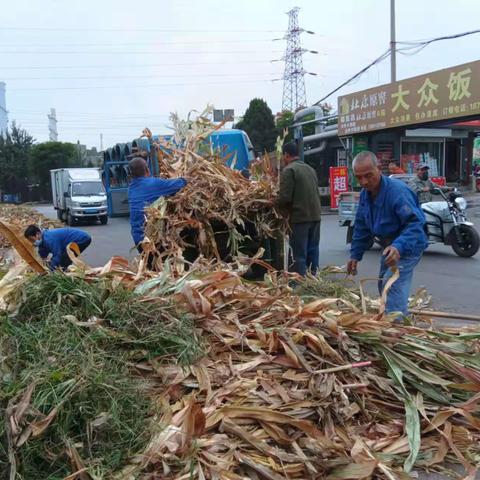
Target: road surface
454,282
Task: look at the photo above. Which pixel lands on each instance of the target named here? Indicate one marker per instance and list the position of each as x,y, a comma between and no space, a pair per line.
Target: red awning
471,123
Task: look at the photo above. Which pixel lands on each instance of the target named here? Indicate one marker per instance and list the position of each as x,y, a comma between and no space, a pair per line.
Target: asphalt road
454,282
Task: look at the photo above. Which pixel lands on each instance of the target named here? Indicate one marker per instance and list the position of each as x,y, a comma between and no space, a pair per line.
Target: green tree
48,156
15,147
259,124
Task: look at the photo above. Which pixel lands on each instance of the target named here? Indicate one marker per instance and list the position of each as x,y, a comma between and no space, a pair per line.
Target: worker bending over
389,212
143,190
55,242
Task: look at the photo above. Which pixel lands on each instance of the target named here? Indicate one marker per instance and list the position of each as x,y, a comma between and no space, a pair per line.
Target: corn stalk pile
20,217
108,373
216,197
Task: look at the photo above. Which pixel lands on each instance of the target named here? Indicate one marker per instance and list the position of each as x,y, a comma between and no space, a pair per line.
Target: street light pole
393,56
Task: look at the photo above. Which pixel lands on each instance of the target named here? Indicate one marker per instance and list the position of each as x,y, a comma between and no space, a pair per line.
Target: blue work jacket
55,242
143,191
394,216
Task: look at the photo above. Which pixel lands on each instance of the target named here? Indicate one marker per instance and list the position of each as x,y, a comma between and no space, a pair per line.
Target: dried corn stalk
219,208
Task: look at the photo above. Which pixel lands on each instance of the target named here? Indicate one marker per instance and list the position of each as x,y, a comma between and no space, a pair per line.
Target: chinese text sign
444,94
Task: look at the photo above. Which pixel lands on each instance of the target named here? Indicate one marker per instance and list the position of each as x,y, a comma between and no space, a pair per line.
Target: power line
132,44
415,46
126,29
139,76
138,52
124,66
439,39
95,114
379,59
91,87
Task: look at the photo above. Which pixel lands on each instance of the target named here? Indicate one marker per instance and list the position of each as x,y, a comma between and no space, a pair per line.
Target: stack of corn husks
243,380
216,198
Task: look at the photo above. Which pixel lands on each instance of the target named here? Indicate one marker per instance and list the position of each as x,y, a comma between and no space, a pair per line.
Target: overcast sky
117,66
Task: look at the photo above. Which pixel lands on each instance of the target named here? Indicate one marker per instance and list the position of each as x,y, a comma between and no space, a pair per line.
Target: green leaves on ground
78,343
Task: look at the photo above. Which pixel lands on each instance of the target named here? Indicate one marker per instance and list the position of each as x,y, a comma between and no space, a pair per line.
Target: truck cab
79,194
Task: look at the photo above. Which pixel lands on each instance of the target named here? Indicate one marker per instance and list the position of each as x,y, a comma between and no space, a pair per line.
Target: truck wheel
60,215
465,241
104,219
70,219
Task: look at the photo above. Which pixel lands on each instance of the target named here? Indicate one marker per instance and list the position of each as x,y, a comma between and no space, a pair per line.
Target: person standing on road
143,190
389,212
300,197
423,186
55,242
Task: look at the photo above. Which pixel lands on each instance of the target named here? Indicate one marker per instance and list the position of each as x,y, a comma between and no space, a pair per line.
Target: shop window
415,152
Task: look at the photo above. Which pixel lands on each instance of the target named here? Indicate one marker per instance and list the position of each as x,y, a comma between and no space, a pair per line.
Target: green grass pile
78,342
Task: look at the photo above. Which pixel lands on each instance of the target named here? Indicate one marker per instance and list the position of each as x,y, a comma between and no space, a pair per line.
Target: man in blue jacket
389,212
143,190
55,242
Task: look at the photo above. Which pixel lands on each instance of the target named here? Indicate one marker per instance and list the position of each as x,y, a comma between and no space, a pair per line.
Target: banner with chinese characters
338,184
445,94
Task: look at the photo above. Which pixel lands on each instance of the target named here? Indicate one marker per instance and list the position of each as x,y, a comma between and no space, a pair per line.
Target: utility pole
101,142
393,43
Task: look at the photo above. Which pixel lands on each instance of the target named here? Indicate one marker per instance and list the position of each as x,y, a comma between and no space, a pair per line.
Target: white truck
78,193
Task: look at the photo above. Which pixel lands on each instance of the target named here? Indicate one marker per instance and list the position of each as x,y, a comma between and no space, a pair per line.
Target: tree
259,124
48,156
15,147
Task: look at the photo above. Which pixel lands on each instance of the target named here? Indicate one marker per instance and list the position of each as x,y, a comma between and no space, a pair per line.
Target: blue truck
233,144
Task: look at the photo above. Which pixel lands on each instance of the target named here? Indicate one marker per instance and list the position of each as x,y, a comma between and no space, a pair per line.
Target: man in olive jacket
300,197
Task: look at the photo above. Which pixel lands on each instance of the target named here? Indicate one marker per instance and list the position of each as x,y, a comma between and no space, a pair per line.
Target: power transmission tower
294,94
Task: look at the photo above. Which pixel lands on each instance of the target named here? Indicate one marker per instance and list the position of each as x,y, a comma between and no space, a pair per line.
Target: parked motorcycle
447,223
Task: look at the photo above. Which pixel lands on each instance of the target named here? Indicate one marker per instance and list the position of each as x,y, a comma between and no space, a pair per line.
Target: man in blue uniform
143,190
55,242
389,212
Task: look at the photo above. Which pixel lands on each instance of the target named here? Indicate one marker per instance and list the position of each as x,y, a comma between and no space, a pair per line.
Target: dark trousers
65,261
305,244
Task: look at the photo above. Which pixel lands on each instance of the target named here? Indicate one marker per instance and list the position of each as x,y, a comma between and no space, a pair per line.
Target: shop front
446,151
431,119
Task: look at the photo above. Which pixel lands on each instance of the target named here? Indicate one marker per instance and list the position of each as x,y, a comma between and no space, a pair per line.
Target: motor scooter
446,222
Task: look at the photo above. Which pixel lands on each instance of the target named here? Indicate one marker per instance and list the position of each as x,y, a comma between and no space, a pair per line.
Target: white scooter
447,223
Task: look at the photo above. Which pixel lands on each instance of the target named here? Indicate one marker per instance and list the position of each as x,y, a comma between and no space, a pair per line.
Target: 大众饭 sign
449,93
